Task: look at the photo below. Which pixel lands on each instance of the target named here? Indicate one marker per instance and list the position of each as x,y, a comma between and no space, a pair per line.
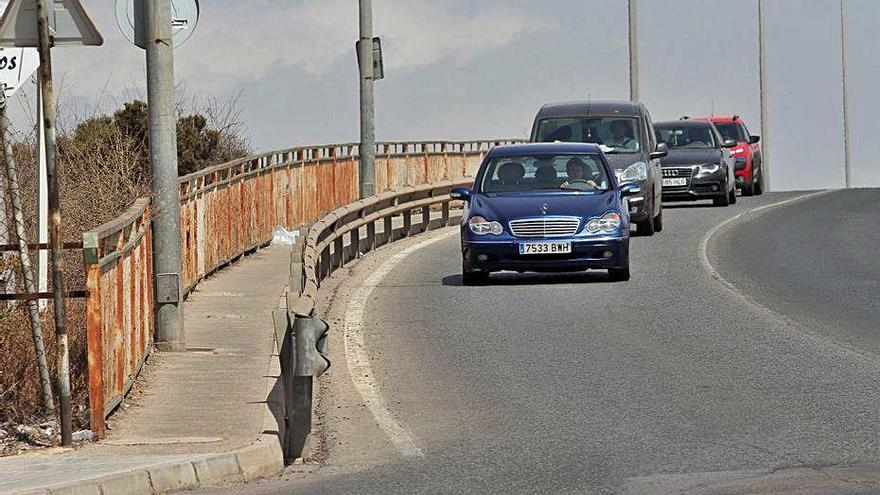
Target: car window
564,172
731,130
622,134
686,136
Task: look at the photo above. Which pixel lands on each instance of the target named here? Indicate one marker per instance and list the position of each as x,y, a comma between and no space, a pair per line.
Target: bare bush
103,166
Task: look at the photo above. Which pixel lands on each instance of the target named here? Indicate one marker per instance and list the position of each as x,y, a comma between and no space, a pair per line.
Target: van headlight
636,172
706,170
608,222
481,226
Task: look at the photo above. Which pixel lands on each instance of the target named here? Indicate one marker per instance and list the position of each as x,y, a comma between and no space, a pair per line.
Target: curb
260,460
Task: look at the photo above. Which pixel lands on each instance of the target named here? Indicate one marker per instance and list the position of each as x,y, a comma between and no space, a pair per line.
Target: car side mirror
630,189
461,193
661,151
754,139
729,143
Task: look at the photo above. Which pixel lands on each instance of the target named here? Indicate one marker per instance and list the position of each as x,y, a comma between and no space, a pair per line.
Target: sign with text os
16,64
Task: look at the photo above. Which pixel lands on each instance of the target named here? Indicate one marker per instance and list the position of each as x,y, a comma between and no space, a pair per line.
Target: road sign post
44,24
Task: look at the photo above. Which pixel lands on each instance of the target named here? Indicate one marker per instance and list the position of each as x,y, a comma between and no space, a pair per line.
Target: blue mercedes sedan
545,207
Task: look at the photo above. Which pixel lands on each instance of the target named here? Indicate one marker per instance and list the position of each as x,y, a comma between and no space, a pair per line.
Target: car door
754,148
653,165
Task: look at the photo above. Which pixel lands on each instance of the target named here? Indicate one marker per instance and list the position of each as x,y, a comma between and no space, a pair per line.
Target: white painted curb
260,460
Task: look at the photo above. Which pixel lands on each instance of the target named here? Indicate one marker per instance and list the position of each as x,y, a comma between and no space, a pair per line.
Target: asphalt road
669,383
817,261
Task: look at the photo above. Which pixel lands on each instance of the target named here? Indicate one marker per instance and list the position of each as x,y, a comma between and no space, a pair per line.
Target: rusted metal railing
119,319
231,209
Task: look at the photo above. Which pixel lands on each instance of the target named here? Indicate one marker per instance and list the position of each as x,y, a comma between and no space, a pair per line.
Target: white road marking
358,360
704,243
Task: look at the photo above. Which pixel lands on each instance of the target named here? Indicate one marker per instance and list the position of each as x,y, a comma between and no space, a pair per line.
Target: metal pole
633,52
762,76
367,173
847,166
170,332
61,344
26,273
42,206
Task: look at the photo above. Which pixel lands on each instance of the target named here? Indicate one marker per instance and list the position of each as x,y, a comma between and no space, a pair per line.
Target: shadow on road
676,206
512,278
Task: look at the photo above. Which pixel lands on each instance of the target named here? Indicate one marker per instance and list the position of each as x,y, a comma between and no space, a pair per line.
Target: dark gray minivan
630,144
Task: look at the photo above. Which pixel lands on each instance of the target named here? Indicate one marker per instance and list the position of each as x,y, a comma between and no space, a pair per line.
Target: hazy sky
462,69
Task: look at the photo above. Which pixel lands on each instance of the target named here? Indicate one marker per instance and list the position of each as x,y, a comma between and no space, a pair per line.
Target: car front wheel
658,220
470,277
749,189
618,274
723,199
646,227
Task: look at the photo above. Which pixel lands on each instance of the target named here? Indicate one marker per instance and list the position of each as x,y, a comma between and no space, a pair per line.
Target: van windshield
621,134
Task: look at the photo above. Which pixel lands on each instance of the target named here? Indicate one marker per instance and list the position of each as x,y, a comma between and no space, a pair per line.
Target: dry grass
101,171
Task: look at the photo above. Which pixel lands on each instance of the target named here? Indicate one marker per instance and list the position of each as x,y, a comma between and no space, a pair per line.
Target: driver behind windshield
576,169
620,131
697,137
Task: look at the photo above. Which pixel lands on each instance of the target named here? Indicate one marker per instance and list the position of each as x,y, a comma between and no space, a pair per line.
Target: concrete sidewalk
196,418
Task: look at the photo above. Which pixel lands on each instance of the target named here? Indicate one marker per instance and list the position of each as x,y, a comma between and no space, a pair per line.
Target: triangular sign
69,25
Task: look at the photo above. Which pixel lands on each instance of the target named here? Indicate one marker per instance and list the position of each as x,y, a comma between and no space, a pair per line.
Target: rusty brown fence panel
228,210
119,320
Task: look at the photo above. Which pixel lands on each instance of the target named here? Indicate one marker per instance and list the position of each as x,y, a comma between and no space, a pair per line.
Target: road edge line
357,360
707,265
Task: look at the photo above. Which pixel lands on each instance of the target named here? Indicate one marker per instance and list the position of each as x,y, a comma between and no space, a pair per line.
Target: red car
747,153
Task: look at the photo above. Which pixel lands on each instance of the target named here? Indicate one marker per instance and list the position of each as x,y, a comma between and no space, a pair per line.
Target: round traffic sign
130,18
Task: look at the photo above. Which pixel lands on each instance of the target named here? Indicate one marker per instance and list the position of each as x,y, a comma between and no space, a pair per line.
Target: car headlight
708,169
636,172
608,222
481,226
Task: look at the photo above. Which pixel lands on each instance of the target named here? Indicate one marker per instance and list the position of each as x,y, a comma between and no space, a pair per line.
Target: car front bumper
702,188
598,253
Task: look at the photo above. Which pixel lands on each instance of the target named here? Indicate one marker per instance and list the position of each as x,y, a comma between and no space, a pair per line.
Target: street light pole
170,332
762,76
367,173
633,52
847,166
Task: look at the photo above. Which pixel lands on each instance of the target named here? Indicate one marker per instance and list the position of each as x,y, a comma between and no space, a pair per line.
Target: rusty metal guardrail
119,314
229,210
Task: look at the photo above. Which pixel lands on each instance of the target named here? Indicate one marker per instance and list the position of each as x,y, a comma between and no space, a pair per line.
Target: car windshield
564,172
686,136
730,130
619,134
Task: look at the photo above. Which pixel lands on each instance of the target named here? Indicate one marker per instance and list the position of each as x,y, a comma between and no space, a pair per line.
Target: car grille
545,226
677,172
